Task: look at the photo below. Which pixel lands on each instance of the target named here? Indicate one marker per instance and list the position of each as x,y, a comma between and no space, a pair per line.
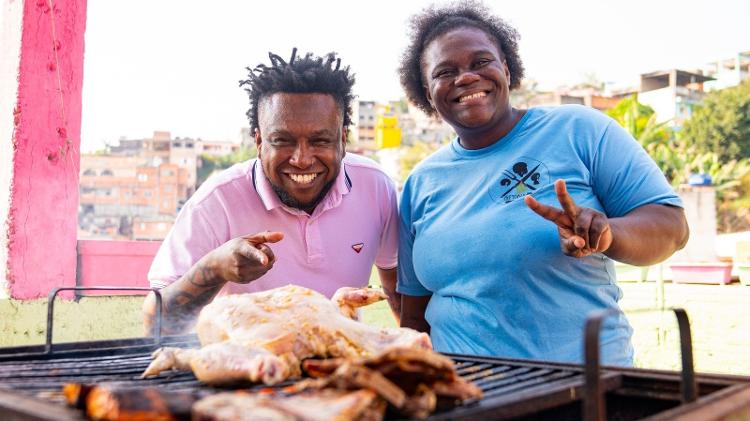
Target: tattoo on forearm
181,307
200,276
184,303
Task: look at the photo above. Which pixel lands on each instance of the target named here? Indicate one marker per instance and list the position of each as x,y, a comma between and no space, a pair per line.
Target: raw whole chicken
264,336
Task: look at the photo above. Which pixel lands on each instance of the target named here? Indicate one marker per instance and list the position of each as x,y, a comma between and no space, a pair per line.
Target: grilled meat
411,380
321,405
264,336
112,403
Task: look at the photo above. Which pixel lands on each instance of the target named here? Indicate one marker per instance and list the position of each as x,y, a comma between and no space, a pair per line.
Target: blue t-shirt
499,281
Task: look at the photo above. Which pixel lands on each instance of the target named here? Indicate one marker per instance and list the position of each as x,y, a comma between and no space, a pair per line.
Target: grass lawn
378,314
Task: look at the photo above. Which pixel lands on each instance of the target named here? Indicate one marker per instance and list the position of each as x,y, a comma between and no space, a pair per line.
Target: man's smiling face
301,142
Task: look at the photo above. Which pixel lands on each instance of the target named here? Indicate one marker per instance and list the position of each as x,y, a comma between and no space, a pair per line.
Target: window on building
107,172
89,172
147,193
142,177
161,146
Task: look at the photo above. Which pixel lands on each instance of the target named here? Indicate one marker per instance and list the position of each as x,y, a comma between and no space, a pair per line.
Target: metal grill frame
513,387
507,383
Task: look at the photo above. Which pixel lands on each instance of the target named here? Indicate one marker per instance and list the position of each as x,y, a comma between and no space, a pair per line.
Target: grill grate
501,379
31,383
43,376
32,377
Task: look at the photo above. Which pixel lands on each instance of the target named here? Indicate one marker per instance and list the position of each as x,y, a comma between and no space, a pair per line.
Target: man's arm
388,281
241,260
183,300
412,312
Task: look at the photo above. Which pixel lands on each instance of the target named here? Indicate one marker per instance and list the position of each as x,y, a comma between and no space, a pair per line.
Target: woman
508,233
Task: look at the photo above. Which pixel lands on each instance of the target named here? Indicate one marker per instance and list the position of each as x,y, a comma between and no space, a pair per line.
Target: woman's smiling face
467,80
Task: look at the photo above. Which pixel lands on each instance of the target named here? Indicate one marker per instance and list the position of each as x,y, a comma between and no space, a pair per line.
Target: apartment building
118,192
135,188
414,124
728,72
673,94
365,114
217,147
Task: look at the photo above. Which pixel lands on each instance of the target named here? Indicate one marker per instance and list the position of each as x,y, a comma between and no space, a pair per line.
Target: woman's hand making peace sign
583,231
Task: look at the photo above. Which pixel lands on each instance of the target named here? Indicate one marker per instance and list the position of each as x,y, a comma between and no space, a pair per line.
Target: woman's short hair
434,21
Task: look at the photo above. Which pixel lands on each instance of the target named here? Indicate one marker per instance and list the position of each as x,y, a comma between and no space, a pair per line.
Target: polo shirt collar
342,185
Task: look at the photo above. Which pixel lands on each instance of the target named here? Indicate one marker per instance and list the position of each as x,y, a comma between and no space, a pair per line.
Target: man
304,212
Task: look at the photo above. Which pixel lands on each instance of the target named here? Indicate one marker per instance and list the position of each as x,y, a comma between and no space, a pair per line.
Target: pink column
44,195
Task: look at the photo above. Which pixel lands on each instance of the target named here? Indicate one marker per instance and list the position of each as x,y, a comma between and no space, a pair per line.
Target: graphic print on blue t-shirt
523,177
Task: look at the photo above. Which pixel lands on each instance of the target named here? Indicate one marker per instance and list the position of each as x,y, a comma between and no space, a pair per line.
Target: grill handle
594,405
51,309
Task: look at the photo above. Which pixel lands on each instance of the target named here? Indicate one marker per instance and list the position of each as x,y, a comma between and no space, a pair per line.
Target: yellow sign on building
387,132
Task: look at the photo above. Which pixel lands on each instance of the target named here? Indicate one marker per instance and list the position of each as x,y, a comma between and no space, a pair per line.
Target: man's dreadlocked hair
434,22
308,74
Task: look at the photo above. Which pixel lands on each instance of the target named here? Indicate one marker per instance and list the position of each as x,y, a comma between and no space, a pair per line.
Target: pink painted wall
44,195
115,263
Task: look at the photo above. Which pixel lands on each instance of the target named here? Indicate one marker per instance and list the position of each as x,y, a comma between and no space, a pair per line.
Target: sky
174,65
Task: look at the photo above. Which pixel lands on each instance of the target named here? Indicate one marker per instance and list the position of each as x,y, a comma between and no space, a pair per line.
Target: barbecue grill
31,380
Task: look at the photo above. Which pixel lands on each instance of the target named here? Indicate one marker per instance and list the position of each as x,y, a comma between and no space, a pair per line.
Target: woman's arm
412,312
646,235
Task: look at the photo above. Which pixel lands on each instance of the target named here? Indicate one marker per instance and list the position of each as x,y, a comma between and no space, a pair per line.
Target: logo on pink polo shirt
358,247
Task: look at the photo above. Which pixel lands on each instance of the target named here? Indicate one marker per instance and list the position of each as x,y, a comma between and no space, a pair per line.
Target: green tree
524,95
590,81
678,157
655,137
730,179
210,164
413,154
640,121
721,124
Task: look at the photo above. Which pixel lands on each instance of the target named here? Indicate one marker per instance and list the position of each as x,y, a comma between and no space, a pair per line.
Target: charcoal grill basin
31,381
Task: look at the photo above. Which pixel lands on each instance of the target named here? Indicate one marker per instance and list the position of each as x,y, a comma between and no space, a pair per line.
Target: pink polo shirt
354,226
